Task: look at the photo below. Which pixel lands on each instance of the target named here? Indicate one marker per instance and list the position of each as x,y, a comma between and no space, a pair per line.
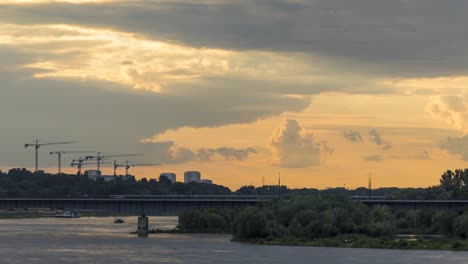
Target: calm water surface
98,240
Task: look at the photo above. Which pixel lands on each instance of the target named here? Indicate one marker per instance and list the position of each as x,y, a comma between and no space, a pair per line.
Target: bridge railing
196,197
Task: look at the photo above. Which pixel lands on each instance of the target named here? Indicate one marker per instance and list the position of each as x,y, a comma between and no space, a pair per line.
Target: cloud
389,37
168,152
373,158
456,146
352,135
424,155
233,154
79,52
377,139
293,147
453,109
98,113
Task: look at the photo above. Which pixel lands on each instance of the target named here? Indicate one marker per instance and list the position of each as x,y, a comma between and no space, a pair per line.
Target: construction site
85,158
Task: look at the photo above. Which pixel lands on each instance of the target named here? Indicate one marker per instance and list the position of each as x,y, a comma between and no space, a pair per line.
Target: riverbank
358,241
410,242
47,213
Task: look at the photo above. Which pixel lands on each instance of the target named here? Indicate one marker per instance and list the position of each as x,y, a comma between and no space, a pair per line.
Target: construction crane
59,156
37,145
99,158
80,162
127,166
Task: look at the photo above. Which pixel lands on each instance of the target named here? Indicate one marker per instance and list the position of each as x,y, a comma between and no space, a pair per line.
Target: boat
68,214
119,221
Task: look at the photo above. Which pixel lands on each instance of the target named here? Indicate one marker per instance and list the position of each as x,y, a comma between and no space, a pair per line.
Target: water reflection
99,240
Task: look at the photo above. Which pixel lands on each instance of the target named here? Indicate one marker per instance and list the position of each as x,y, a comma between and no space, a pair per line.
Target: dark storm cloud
400,37
106,117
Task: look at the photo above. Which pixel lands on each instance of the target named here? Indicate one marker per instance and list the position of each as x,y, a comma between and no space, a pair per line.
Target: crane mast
99,158
59,157
37,145
80,162
127,166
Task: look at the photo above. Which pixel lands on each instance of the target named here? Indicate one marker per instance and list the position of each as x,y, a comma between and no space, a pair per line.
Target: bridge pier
143,226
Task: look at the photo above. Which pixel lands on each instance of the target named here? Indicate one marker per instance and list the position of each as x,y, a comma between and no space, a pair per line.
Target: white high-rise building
171,176
192,176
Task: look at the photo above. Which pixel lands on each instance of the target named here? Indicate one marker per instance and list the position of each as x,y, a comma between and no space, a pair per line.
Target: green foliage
306,219
19,183
206,221
461,226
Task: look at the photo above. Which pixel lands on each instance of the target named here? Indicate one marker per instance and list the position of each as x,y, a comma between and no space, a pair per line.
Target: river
99,240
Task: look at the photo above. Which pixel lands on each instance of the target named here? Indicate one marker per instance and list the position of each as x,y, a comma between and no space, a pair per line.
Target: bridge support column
143,226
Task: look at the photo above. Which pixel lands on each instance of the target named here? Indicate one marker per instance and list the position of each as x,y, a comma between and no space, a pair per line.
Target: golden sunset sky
322,91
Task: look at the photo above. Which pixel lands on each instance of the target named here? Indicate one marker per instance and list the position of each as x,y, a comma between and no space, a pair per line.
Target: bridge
173,205
167,205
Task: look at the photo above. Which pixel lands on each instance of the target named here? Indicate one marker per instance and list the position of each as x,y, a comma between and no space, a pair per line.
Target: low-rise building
206,181
93,174
108,178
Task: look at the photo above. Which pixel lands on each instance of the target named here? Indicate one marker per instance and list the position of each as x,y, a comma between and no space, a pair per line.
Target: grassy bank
358,241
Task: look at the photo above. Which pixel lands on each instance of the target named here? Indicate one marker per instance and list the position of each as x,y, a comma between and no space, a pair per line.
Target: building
206,181
169,175
127,178
93,174
192,176
109,178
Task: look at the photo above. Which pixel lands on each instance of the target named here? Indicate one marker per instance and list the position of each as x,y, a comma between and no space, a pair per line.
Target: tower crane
37,145
80,162
59,156
127,166
99,158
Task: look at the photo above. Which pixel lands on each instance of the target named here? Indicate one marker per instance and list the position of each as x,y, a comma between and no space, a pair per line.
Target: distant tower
192,176
369,185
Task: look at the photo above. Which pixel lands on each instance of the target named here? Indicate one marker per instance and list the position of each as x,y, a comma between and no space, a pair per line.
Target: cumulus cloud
451,108
373,158
168,152
456,146
376,138
352,135
294,147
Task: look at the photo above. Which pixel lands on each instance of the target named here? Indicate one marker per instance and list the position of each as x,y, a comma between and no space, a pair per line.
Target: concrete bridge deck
174,205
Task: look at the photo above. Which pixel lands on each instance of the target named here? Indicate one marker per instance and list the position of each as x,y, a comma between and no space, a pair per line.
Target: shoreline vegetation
331,221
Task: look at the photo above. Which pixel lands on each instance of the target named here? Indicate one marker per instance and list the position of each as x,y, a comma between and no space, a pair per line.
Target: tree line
24,183
306,219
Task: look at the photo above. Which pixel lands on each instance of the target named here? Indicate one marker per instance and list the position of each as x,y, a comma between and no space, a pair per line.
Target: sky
322,92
